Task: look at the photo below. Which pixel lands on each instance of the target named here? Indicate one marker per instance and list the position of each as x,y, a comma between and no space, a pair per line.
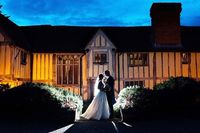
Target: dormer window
100,58
138,59
185,58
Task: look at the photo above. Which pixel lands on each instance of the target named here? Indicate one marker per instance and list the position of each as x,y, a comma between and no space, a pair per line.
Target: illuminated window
100,58
67,69
23,58
185,58
138,59
132,83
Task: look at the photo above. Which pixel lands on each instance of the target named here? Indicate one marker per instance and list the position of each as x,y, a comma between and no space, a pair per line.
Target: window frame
186,59
101,62
61,67
132,60
134,82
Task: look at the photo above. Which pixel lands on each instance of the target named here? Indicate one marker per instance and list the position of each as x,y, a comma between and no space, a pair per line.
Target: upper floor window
23,58
138,59
132,83
100,58
185,58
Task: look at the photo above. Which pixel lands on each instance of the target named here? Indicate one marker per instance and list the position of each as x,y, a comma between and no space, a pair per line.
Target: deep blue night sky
92,12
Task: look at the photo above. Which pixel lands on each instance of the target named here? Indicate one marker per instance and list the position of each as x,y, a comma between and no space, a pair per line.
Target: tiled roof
126,39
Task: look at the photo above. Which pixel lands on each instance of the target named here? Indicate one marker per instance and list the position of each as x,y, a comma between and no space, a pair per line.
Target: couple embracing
101,106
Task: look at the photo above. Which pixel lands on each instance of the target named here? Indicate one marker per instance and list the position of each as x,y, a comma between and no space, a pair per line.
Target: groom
110,93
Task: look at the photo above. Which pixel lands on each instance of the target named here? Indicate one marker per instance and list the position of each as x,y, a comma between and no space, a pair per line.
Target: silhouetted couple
101,106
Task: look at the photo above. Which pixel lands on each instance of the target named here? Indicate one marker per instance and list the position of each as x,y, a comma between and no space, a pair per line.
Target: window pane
185,58
135,56
59,59
141,83
130,55
136,62
126,84
76,74
139,56
97,58
65,71
103,58
144,59
131,83
135,82
71,62
131,61
58,74
70,75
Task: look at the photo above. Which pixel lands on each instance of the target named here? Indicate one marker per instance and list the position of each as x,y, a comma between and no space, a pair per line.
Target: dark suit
110,94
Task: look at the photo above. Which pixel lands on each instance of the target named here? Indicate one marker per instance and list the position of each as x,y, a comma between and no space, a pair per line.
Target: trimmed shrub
134,101
133,96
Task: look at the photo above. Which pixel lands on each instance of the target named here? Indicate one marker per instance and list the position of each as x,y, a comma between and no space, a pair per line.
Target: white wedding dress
99,108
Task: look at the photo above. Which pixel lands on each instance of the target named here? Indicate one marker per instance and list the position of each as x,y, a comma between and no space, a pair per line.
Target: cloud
90,12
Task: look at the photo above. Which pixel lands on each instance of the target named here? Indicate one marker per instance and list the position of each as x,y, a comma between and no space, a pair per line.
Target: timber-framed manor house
71,57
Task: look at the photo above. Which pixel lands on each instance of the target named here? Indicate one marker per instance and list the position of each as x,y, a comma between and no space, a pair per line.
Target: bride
99,108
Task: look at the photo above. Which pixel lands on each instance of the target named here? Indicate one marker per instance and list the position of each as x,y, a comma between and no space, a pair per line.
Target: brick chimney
165,19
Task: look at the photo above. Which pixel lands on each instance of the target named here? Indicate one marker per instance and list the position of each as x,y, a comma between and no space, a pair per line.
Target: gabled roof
126,39
102,34
13,32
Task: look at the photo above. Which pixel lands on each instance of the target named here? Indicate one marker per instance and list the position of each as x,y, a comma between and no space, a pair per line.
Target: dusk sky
92,12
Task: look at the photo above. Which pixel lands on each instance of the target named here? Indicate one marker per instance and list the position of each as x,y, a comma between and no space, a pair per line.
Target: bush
133,96
176,97
134,101
178,83
39,98
178,94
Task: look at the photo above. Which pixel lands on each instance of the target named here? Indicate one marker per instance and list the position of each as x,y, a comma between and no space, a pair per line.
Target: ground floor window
132,83
67,69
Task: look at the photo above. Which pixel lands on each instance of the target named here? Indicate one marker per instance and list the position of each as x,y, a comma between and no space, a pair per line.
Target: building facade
72,57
